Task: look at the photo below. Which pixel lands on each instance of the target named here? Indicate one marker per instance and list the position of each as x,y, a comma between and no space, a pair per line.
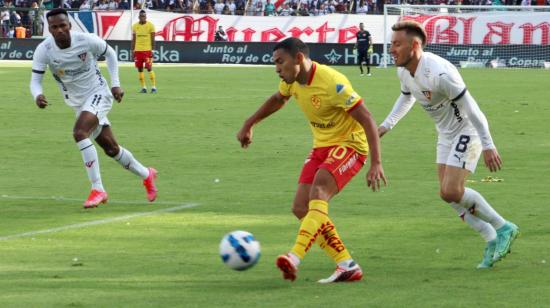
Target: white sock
347,264
484,229
127,160
91,162
294,258
476,204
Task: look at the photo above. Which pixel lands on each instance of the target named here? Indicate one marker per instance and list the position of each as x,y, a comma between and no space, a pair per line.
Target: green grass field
413,248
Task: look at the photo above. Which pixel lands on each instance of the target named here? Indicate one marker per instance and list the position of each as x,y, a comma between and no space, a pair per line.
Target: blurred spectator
103,5
269,9
231,7
363,7
5,19
85,6
15,18
123,5
285,10
218,7
20,32
48,4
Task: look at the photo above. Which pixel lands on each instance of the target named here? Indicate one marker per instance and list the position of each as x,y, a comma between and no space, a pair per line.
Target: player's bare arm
133,44
271,105
375,175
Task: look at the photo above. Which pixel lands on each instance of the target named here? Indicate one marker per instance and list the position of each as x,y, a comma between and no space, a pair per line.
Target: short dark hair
142,12
412,28
56,12
293,45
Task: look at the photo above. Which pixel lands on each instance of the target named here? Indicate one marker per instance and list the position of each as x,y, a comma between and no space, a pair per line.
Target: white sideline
61,198
96,222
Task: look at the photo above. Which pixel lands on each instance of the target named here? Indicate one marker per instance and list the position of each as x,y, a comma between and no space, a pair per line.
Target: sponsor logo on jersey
323,125
82,56
428,95
456,112
432,108
316,102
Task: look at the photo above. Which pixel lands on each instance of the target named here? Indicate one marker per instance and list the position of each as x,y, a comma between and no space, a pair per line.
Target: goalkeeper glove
370,49
354,50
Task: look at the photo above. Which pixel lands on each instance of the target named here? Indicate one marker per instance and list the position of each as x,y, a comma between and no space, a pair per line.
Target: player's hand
41,101
492,160
245,136
370,49
382,131
354,50
118,93
375,176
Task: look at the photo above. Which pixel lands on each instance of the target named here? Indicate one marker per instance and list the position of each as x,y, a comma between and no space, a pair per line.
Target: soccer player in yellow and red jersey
344,133
143,44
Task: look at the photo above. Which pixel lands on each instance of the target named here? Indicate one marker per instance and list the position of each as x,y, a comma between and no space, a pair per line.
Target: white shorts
462,151
98,103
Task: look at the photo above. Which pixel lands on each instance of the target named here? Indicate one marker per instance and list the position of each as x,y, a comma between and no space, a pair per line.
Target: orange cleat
149,184
284,263
95,198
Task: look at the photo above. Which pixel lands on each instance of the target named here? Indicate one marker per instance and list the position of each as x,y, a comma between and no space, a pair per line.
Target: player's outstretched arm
490,154
271,105
401,107
375,175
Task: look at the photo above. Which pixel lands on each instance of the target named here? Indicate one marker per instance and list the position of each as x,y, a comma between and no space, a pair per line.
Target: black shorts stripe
38,72
460,95
406,93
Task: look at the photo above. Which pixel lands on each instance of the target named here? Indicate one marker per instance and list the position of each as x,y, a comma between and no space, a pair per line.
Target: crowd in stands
21,18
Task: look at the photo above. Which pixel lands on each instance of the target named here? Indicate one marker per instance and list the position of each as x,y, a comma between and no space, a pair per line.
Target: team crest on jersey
340,88
428,95
60,72
82,56
316,102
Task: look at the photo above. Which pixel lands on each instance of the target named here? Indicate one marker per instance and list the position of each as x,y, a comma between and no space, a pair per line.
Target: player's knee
319,192
111,150
450,195
80,134
299,210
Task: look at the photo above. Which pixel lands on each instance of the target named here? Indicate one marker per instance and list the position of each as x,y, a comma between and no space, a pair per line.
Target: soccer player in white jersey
71,57
463,133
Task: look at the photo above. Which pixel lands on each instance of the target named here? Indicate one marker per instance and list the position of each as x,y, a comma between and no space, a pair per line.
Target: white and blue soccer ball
239,250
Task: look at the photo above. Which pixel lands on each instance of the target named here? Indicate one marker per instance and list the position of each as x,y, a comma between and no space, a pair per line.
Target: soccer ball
239,250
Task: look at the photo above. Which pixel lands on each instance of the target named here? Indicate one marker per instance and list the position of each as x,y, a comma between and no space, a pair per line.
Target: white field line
98,222
63,199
